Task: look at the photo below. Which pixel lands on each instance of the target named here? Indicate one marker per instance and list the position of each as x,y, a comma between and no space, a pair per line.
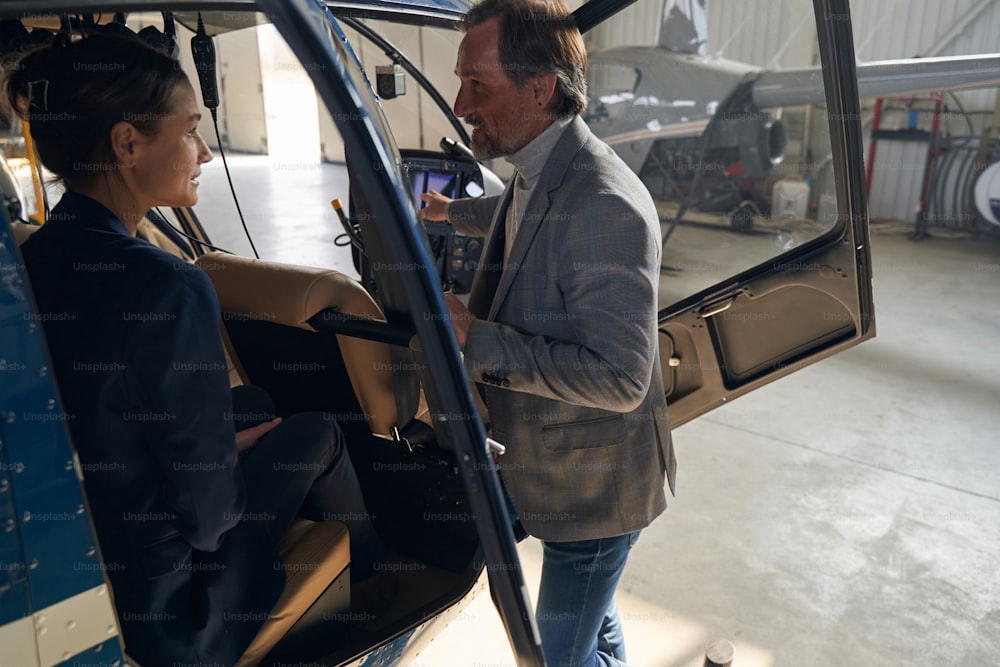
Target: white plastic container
790,199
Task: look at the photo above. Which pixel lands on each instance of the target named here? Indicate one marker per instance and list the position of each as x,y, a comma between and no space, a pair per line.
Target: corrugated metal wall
782,34
768,33
883,29
639,24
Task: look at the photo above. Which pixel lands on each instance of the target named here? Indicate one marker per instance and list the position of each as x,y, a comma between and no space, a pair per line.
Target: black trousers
301,468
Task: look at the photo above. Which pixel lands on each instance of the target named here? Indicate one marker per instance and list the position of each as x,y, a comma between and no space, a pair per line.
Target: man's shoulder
596,169
592,158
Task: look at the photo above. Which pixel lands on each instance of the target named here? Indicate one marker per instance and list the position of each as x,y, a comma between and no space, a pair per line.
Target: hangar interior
914,132
846,515
925,160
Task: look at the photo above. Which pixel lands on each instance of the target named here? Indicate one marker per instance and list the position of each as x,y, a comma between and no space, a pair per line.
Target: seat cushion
315,553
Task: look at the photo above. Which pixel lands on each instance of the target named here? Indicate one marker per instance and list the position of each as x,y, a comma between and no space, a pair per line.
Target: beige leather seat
22,231
291,295
316,557
151,233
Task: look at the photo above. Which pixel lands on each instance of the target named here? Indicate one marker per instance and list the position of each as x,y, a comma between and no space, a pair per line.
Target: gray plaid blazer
566,345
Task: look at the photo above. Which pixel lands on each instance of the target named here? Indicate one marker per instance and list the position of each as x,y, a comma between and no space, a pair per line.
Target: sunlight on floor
655,635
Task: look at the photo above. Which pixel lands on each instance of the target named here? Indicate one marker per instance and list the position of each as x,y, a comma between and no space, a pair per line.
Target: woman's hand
248,437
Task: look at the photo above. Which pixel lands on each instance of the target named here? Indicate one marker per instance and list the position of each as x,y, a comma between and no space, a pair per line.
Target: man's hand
248,437
436,203
461,318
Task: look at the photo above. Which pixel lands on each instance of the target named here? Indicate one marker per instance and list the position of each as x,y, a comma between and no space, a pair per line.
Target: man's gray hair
538,36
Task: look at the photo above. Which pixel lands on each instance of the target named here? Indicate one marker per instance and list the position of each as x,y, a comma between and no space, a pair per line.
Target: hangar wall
416,120
883,29
638,24
242,117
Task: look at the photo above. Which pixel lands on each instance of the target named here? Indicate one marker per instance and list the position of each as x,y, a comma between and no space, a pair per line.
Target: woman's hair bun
73,92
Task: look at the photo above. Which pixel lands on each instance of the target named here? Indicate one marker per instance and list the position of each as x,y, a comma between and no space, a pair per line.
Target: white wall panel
638,25
754,30
897,180
415,119
242,120
776,33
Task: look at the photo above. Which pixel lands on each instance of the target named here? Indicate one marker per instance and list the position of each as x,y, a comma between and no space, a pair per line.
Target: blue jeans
576,612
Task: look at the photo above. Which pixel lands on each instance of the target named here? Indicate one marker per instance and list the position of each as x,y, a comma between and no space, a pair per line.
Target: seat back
291,295
23,231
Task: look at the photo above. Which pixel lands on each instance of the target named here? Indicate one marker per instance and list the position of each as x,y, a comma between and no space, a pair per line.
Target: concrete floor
846,515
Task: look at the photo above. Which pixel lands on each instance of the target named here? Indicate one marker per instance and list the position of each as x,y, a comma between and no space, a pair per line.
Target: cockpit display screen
422,181
455,255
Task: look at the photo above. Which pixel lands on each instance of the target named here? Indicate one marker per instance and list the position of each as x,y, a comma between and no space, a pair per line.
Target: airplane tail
685,27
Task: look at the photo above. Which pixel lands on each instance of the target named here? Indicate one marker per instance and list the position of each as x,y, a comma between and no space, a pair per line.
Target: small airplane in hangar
698,128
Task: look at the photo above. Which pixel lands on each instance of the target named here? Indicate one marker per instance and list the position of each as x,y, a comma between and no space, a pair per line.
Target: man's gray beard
486,151
490,149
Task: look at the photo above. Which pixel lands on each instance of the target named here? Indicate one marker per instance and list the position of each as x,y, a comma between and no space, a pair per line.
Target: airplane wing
881,79
644,96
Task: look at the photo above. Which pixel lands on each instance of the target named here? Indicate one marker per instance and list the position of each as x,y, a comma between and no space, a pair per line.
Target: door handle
494,447
718,306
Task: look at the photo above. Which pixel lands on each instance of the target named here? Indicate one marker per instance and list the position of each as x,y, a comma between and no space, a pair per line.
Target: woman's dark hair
73,93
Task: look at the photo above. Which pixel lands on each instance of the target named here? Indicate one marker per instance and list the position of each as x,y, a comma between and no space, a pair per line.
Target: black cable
961,193
232,189
203,244
344,240
950,177
352,239
955,167
940,165
203,52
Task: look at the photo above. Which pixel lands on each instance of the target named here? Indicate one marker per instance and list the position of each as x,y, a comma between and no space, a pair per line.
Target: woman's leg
302,468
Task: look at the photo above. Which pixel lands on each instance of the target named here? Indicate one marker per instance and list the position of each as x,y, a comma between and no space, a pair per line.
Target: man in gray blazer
561,326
